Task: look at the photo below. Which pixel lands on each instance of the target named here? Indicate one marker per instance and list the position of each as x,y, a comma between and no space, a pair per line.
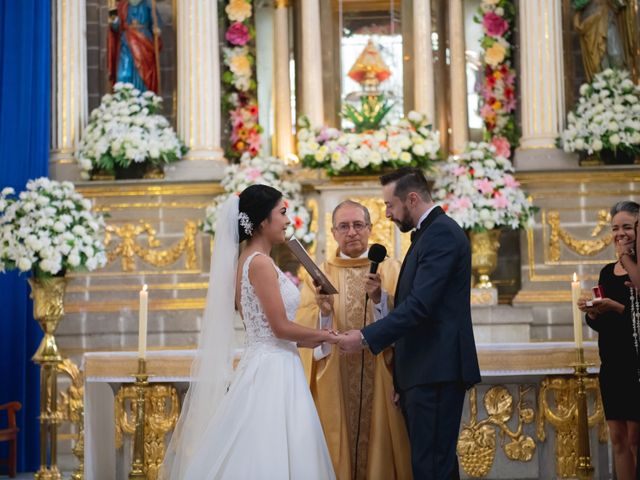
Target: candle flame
144,287
575,277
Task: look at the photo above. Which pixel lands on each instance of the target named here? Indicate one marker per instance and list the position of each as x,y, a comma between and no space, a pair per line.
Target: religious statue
608,35
371,105
134,44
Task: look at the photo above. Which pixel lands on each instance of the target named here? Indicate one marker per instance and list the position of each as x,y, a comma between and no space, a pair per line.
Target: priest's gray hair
351,203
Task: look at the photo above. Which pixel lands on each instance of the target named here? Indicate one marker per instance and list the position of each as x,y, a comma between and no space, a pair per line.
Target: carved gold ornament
584,248
162,409
71,409
129,249
477,440
562,414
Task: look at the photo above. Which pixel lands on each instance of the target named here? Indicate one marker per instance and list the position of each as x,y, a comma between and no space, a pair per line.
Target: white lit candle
142,322
577,315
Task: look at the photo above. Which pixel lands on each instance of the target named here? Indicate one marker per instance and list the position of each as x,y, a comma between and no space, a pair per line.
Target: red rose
237,34
494,24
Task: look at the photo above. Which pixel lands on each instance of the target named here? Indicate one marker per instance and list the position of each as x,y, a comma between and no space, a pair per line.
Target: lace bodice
255,321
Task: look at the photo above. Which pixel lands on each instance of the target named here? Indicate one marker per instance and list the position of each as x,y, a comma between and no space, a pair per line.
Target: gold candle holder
584,468
141,384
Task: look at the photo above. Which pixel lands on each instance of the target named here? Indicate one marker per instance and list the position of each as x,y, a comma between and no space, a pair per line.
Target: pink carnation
503,148
459,170
500,201
252,173
237,34
510,182
484,185
494,24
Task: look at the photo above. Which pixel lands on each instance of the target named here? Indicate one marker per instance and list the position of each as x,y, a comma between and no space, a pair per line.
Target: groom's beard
404,223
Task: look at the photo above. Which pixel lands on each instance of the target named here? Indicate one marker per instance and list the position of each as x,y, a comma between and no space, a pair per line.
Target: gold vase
48,310
484,255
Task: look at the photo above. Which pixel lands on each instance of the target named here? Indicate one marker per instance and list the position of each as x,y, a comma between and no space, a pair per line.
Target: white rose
414,116
614,139
419,150
597,145
405,157
485,215
74,260
489,225
24,264
579,144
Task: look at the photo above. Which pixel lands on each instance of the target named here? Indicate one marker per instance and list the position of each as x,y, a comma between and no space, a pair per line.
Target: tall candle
577,315
142,322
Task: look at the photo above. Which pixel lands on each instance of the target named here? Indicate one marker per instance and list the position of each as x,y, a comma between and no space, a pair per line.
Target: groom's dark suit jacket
431,322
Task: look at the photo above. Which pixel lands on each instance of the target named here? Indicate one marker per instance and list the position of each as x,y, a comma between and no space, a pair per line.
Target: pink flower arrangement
241,101
237,34
477,189
498,85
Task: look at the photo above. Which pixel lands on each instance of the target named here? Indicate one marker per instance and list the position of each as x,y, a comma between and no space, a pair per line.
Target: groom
435,353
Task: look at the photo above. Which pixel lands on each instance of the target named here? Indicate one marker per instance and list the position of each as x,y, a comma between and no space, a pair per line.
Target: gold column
312,95
282,86
69,97
423,86
458,78
541,73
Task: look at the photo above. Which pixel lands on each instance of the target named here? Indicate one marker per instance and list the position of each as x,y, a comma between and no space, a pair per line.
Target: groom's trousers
432,413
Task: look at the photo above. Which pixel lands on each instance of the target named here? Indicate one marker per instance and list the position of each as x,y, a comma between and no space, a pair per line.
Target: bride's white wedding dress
266,426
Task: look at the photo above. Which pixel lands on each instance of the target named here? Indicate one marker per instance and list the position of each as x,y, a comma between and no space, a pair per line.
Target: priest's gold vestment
383,445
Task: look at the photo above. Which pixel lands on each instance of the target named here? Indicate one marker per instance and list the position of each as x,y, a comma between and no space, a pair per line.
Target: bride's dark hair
256,203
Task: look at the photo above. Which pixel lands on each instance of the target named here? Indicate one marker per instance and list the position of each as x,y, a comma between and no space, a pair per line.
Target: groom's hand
350,342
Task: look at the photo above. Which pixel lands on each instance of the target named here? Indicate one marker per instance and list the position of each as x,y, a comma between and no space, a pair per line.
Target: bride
259,421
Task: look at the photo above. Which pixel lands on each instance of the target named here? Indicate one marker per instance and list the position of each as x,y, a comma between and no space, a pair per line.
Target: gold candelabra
141,385
584,468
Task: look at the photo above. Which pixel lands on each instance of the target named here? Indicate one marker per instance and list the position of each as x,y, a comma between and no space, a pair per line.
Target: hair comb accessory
246,224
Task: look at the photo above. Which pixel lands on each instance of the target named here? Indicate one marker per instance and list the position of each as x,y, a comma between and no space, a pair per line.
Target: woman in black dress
612,318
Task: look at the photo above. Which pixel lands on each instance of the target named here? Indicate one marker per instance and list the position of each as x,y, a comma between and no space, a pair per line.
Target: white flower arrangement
126,129
478,190
49,229
411,142
607,117
266,171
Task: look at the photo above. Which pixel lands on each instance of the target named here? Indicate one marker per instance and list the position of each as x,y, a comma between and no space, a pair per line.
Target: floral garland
240,100
607,116
266,171
126,128
411,142
49,229
498,84
478,190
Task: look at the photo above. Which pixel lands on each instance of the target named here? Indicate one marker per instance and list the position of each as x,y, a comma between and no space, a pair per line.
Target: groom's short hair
407,180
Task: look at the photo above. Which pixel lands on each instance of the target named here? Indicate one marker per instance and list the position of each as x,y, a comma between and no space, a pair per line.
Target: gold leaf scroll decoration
162,409
584,248
129,249
562,414
477,441
71,409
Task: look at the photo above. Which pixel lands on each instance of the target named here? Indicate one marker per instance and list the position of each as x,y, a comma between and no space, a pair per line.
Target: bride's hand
332,336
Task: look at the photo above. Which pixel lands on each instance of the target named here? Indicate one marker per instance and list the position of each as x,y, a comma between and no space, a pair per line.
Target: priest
354,394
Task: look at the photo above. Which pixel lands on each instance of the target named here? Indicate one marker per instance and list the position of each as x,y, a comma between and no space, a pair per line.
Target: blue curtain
25,99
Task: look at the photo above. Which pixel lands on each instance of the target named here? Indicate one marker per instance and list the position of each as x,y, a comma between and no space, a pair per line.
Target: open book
309,265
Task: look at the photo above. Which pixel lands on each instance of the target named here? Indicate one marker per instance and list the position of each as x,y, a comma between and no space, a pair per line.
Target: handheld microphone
377,254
